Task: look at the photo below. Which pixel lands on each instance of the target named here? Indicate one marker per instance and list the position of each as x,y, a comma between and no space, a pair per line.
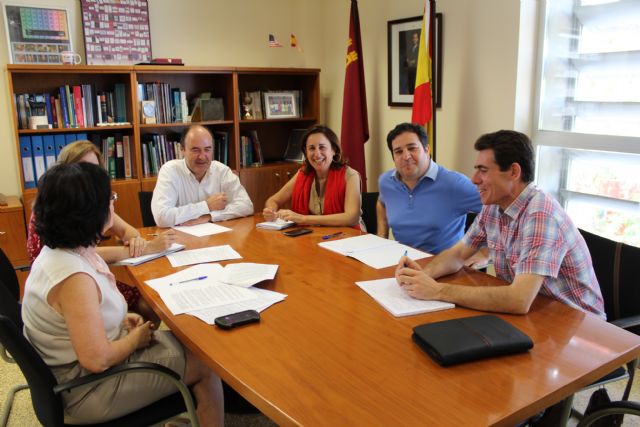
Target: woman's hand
136,246
142,334
289,215
160,243
131,320
270,214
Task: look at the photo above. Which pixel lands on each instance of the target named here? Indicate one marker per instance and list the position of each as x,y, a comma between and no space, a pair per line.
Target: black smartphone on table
237,319
296,232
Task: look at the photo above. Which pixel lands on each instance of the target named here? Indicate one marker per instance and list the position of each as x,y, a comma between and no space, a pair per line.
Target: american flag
273,42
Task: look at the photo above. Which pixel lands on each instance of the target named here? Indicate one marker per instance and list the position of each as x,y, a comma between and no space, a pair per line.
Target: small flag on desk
273,42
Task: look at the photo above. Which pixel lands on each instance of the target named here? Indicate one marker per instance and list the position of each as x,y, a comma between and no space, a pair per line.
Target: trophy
247,100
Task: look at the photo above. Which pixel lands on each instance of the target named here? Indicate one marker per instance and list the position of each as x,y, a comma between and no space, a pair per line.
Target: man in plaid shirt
532,241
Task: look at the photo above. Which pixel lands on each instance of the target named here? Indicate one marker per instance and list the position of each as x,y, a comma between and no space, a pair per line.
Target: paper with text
264,299
199,295
200,230
202,255
247,274
175,247
211,271
390,295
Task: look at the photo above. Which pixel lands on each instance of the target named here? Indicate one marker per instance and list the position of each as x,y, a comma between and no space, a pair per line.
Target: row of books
77,106
116,154
40,152
259,105
158,149
250,149
170,103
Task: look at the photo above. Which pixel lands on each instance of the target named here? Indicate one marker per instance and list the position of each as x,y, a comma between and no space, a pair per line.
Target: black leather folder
462,340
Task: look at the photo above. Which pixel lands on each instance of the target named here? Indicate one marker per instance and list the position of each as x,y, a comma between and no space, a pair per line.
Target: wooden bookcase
228,83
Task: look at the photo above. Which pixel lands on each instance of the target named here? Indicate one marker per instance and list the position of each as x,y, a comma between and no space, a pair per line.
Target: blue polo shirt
430,217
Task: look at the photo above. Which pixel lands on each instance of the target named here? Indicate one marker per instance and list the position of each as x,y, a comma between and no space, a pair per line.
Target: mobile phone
296,232
236,319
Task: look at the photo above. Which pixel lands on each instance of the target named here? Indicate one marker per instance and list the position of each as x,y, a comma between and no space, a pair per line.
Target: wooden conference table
330,355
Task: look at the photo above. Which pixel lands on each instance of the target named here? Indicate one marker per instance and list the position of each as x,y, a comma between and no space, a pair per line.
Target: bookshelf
229,84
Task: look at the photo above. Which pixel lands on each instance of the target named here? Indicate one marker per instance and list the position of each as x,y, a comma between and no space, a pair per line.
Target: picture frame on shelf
36,35
280,105
402,34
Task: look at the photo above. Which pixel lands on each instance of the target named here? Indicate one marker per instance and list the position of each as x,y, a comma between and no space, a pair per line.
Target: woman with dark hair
325,191
77,320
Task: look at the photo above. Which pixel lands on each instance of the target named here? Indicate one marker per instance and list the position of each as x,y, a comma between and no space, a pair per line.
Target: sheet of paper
175,247
200,230
351,245
247,274
278,224
202,255
386,256
390,295
264,299
202,294
213,271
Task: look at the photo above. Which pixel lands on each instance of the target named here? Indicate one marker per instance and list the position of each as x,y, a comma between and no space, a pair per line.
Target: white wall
480,61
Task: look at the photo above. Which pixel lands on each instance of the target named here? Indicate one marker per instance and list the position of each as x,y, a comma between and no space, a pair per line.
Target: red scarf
334,192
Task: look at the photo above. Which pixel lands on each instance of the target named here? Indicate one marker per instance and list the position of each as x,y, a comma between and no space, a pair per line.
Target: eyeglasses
114,197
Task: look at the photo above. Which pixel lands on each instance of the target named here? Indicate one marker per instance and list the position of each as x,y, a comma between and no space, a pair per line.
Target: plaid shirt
535,236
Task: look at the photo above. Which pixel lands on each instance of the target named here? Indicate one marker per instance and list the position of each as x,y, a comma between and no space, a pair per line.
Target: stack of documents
375,251
391,296
208,291
202,255
200,230
144,258
278,224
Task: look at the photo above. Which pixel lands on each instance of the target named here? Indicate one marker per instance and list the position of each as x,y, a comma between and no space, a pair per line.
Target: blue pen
406,252
329,236
189,280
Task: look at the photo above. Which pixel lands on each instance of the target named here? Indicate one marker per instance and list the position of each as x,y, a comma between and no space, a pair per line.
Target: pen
153,234
189,280
406,252
329,236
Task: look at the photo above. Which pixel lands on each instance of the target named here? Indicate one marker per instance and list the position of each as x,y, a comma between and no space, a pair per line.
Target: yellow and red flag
355,124
423,111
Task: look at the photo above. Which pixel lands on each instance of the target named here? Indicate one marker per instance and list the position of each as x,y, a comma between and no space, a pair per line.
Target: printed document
175,247
263,300
390,295
375,251
199,256
201,294
200,230
247,274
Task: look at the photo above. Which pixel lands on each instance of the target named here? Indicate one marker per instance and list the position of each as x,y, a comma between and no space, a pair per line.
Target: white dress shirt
179,197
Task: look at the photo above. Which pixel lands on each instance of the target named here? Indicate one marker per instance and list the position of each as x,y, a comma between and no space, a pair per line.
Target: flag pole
432,41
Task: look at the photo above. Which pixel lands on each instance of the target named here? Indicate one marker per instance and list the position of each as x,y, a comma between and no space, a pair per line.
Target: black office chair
145,208
613,408
46,392
617,268
369,215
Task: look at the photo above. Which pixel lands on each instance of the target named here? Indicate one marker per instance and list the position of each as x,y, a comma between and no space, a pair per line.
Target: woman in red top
325,191
134,244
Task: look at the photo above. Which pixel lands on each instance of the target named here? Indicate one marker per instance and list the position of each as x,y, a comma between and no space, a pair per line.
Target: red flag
355,125
422,96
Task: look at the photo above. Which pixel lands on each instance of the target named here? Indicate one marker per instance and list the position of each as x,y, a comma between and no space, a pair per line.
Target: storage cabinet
228,84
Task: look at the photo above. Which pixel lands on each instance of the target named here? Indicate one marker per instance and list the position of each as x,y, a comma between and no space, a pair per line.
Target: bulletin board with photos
36,35
115,32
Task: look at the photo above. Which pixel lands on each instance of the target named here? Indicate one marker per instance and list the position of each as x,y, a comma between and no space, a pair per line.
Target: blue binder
69,138
59,142
26,155
39,165
49,150
81,136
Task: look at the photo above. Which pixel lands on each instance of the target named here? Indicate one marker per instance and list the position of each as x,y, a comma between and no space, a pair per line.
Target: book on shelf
127,156
255,148
293,153
37,147
119,155
221,147
120,107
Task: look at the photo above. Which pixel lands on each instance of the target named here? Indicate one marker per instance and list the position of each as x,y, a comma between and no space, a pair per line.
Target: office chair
617,266
46,392
145,208
369,215
611,408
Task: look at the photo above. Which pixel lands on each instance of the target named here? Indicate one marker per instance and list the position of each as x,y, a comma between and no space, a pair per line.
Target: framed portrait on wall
280,105
36,35
115,32
403,36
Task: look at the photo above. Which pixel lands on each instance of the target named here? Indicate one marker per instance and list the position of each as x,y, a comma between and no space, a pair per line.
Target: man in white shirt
196,189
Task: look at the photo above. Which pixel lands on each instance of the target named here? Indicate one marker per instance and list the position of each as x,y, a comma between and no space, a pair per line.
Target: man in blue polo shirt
424,204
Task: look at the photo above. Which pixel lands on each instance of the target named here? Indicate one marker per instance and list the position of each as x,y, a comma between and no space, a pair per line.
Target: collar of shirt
518,205
431,173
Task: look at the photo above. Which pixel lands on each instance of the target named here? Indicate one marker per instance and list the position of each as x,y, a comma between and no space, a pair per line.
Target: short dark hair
72,206
509,147
188,130
337,162
419,130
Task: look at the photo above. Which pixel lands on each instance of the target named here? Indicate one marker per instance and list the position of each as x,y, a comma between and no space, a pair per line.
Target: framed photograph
280,105
116,32
403,36
36,35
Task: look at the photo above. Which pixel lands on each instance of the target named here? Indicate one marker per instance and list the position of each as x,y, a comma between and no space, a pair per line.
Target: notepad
390,295
175,247
279,224
375,251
